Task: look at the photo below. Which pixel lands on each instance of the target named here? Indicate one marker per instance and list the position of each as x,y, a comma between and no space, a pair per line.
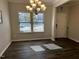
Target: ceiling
25,1
71,3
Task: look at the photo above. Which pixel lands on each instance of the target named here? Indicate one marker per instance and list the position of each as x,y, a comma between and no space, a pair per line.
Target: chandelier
35,6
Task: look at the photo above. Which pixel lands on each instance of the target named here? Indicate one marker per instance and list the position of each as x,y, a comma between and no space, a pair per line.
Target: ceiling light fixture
35,6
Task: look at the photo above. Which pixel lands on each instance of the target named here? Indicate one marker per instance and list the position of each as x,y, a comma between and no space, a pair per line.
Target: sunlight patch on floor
52,46
37,48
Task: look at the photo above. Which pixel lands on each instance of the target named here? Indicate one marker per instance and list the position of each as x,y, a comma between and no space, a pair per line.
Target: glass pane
24,17
38,18
38,27
25,27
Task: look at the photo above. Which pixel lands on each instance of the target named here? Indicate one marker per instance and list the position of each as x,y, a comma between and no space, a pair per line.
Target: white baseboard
30,39
5,49
52,39
76,40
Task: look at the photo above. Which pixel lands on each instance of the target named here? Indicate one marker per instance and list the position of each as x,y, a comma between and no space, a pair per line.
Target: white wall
74,23
5,27
16,35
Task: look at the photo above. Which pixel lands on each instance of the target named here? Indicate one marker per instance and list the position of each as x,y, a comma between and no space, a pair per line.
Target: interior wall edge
1,54
76,40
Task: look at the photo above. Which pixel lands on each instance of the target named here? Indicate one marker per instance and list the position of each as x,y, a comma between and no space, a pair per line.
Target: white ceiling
24,1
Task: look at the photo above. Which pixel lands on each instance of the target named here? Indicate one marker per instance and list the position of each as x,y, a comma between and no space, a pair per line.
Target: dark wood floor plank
21,50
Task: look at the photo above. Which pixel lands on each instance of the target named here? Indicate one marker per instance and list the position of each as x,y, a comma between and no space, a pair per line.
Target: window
28,24
25,22
38,23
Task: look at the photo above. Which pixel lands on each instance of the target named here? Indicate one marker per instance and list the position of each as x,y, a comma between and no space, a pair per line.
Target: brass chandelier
36,6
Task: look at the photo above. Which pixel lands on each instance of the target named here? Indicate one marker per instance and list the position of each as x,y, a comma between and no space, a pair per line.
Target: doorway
61,24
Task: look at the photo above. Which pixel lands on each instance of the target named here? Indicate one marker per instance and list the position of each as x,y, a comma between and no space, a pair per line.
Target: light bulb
31,1
38,9
39,2
44,8
33,5
27,7
30,8
42,5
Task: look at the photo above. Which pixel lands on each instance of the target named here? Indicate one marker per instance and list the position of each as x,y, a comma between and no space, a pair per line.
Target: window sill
30,32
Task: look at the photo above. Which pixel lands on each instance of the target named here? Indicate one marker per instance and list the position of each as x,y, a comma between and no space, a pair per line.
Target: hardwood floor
21,50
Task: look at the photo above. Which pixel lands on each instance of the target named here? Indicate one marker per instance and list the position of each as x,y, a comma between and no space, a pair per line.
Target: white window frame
32,24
